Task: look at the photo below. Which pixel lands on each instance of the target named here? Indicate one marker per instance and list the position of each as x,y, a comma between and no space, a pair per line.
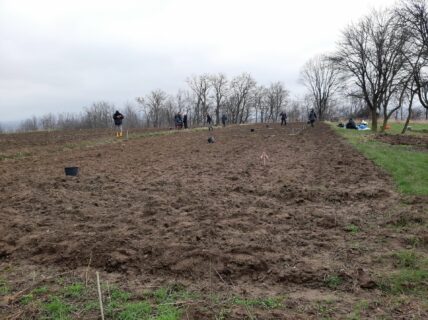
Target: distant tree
277,100
200,85
240,97
220,88
132,118
260,105
154,105
48,122
323,81
98,115
30,124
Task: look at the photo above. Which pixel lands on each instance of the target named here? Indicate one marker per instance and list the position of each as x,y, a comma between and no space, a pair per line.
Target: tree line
378,71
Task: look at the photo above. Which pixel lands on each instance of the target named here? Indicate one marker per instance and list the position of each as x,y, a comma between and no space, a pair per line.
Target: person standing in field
209,121
312,117
223,120
283,118
118,118
185,121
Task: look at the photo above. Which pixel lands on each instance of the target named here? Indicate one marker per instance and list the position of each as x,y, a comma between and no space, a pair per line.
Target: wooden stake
99,296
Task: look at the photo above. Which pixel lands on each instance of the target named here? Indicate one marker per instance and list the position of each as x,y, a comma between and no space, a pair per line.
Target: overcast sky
59,56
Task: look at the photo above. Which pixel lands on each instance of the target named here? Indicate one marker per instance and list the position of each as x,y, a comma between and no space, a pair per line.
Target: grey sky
59,56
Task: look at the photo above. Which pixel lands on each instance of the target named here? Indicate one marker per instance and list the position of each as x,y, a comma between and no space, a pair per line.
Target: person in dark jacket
178,121
312,117
118,118
209,122
223,120
351,124
185,121
283,118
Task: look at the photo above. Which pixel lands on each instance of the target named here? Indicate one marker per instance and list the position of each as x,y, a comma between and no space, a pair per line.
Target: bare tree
323,81
132,119
48,122
30,124
99,115
370,55
200,85
259,102
239,98
219,84
153,105
413,17
277,99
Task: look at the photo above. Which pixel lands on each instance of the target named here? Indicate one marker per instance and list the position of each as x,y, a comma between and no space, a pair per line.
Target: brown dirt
211,216
412,140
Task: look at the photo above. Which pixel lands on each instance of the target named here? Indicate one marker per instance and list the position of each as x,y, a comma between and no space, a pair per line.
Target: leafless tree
323,81
220,88
259,103
277,99
370,54
99,115
200,85
154,106
48,122
240,97
413,17
132,118
30,124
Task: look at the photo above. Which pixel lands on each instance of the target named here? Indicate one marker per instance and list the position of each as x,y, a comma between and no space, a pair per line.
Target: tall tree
370,55
413,17
220,87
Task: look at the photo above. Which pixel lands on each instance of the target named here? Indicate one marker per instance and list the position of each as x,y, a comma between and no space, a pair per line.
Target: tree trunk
406,124
374,120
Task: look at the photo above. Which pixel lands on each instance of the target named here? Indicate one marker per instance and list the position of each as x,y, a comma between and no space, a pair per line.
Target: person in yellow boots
118,117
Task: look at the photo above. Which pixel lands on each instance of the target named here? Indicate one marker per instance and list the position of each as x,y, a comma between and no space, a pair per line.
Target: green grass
407,166
416,128
74,290
57,309
264,303
410,276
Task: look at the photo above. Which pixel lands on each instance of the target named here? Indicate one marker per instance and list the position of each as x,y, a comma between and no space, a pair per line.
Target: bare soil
173,208
418,141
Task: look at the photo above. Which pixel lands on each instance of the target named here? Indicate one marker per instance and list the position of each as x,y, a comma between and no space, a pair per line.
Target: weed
325,308
135,310
4,288
358,309
26,299
74,290
352,228
406,259
40,290
333,281
57,309
168,312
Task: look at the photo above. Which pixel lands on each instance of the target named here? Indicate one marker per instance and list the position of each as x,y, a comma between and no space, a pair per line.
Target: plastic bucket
71,171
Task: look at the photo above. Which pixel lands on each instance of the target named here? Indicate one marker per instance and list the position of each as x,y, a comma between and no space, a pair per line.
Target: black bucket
71,171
